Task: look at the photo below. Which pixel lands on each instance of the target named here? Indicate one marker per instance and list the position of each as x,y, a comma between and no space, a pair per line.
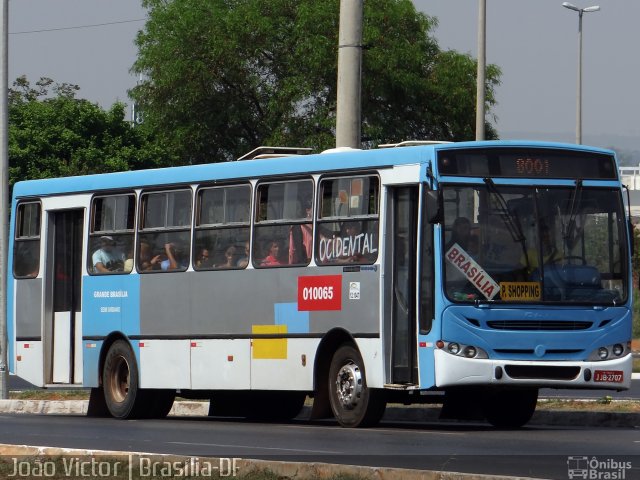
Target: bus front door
63,319
401,261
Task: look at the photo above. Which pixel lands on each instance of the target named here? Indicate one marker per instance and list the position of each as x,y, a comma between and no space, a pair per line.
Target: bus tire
352,402
122,394
509,408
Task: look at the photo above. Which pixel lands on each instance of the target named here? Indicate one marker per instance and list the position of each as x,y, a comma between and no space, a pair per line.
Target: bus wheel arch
322,363
340,386
121,382
353,403
97,403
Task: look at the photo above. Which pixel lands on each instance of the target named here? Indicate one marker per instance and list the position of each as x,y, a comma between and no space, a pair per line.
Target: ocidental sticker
474,273
520,291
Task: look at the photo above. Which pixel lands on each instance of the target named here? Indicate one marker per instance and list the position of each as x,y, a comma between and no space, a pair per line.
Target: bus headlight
460,350
606,352
470,351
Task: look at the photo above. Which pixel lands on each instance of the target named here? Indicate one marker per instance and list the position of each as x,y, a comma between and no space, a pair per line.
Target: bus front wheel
120,382
352,402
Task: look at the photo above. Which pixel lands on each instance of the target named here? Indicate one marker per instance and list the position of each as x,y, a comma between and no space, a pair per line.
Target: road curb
393,414
247,467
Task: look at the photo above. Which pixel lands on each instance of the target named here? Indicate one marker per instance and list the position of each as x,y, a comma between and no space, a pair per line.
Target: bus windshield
534,244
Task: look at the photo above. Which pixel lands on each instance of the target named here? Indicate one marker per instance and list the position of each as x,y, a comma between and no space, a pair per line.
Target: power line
78,27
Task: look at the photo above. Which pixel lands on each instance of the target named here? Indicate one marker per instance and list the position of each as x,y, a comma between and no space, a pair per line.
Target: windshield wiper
513,224
569,229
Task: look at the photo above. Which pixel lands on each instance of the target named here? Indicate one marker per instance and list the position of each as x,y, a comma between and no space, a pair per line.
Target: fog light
470,352
603,353
618,349
454,348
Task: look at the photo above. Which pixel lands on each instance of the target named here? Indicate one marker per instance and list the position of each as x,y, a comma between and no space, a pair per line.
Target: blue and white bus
484,270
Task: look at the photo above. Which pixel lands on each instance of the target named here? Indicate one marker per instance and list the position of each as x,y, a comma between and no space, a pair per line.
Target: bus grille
542,372
535,325
530,351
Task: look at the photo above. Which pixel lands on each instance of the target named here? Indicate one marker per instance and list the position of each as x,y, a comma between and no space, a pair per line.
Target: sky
534,42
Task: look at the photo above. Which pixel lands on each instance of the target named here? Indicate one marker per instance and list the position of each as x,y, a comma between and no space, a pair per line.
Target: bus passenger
108,258
128,263
147,261
175,258
244,260
273,254
301,239
204,259
460,233
229,255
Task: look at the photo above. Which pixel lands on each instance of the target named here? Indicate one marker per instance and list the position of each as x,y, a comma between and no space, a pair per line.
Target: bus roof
300,164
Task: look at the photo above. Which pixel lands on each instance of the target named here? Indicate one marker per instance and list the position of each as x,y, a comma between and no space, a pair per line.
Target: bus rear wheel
122,394
352,402
509,408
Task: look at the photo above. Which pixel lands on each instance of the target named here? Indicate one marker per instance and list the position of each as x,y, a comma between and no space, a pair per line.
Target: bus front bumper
452,371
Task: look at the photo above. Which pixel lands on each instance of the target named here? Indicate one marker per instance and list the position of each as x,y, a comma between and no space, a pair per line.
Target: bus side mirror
632,238
433,206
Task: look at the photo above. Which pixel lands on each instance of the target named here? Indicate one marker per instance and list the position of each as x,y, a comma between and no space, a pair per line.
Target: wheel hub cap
349,385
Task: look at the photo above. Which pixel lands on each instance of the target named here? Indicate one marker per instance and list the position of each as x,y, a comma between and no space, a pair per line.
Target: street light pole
4,191
580,11
348,108
482,65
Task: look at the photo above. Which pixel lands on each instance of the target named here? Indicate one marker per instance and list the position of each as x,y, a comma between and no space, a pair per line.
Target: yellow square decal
269,348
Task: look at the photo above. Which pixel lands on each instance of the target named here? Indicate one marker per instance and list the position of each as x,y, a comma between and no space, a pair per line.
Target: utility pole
482,65
4,192
580,11
348,123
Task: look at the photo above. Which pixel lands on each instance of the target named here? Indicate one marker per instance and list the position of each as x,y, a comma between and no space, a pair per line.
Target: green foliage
223,77
60,135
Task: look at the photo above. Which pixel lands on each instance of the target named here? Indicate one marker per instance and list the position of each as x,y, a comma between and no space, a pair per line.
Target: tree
223,77
54,134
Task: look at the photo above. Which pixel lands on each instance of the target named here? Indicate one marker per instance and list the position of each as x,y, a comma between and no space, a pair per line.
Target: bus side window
348,220
283,230
111,234
26,247
164,237
222,227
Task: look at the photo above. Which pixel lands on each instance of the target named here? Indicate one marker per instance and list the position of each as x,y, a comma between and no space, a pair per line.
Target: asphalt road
471,448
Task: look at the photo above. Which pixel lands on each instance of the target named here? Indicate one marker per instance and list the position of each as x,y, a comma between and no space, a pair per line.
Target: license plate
611,376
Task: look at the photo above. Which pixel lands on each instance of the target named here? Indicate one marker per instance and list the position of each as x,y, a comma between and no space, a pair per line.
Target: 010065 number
317,293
